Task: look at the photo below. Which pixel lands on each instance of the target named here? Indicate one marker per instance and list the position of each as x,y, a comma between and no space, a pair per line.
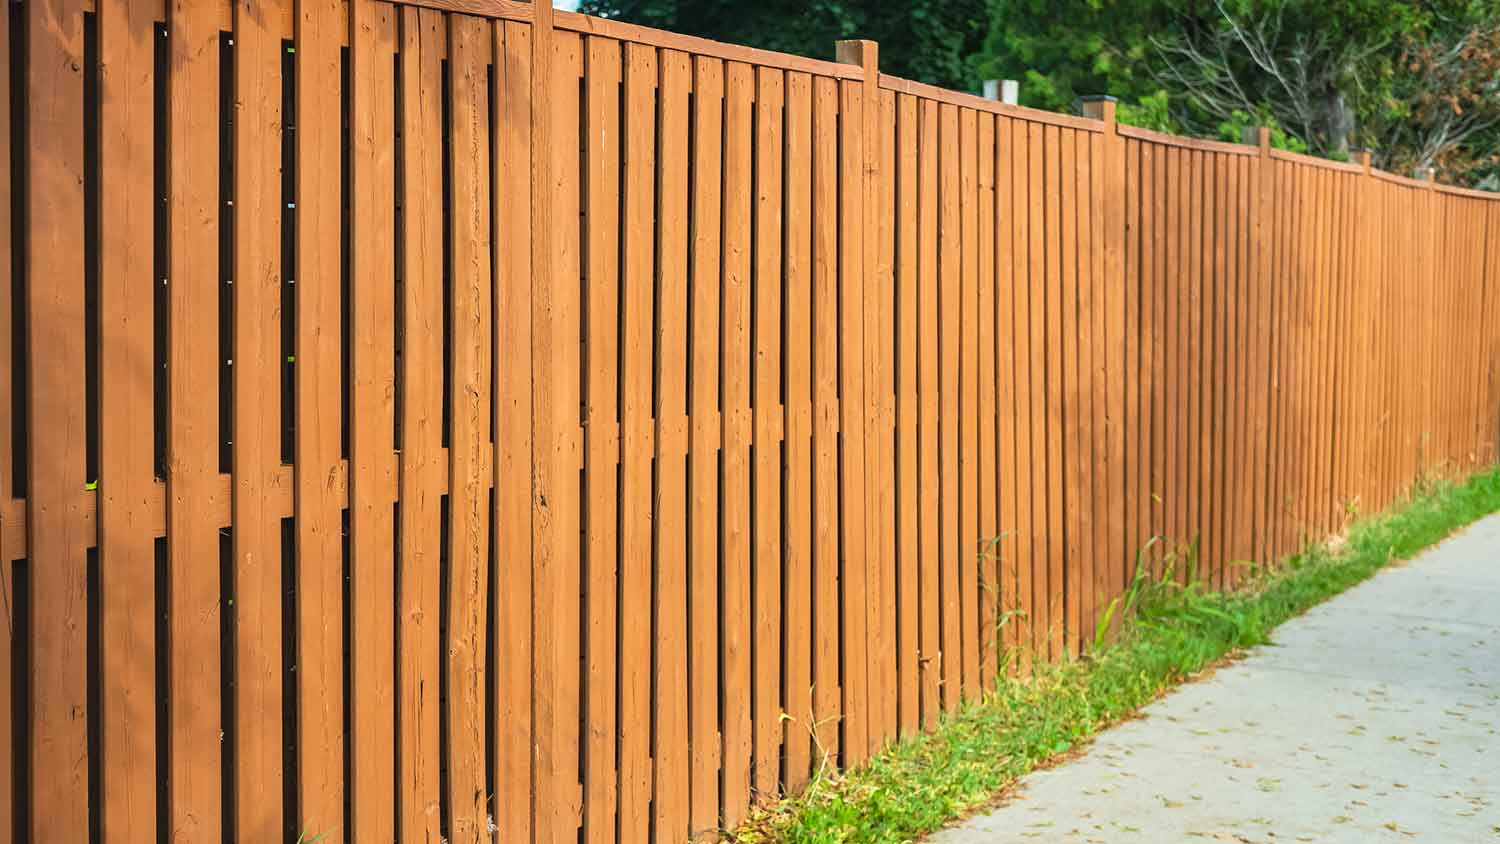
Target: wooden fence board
908,410
54,285
736,636
853,561
512,572
193,428
1071,491
372,420
671,744
703,479
988,420
930,661
601,151
422,460
636,505
768,357
319,543
797,578
949,309
564,391
827,694
967,323
127,547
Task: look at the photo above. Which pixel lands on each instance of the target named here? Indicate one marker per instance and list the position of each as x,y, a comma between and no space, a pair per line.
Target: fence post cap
1098,107
855,50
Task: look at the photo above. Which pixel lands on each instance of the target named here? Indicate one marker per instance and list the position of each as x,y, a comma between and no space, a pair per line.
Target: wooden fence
459,419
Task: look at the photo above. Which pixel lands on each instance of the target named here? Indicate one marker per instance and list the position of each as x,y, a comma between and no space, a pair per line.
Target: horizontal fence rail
459,420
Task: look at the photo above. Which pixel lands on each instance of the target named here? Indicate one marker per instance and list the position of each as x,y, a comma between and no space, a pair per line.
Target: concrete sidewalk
1375,717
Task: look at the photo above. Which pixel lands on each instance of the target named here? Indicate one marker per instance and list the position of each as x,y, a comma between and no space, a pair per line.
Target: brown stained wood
930,658
1092,369
565,503
670,752
969,547
1193,296
1071,491
372,420
797,584
258,280
1111,231
1038,612
1055,494
637,288
989,465
1024,528
54,305
1105,560
511,644
1008,394
854,562
319,562
767,356
880,342
703,472
949,310
469,50
1144,495
127,552
827,712
424,465
936,94
602,65
736,517
509,10
1154,291
193,425
1131,505
907,643
1173,485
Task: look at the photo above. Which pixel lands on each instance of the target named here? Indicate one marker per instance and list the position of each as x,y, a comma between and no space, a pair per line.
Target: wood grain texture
797,580
737,519
373,470
704,236
602,59
513,484
637,340
127,548
56,462
423,462
768,356
193,425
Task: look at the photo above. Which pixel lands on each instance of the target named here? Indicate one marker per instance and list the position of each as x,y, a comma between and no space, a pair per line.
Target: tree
927,40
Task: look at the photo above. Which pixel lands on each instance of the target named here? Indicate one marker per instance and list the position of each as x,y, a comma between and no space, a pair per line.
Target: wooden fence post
860,573
1117,559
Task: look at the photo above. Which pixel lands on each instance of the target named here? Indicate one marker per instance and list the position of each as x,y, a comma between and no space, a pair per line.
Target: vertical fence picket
372,482
127,544
56,542
422,470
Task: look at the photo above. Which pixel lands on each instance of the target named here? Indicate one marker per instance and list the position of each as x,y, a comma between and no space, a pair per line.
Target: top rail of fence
1188,143
978,103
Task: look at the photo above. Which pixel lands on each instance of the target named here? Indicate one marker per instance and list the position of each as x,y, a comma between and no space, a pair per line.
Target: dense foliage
1415,81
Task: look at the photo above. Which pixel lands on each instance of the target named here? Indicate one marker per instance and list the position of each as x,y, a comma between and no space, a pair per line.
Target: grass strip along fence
1171,631
456,419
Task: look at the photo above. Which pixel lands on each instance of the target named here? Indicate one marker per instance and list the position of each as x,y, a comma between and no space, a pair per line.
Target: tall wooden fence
456,419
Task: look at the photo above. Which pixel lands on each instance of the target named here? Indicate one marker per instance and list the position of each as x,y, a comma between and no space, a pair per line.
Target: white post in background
1007,91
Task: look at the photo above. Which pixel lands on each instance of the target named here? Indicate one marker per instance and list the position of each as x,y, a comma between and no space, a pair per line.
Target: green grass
1168,633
